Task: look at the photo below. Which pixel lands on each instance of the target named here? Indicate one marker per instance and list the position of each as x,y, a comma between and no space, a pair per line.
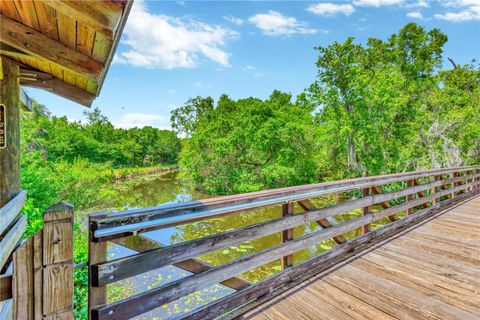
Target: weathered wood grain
10,156
23,281
141,244
121,268
57,288
37,44
118,269
287,235
156,297
366,210
102,16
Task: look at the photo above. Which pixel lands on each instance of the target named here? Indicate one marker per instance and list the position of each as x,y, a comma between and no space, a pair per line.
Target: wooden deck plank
429,272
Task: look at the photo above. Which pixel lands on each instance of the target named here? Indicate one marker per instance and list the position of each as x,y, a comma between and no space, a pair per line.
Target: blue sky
173,50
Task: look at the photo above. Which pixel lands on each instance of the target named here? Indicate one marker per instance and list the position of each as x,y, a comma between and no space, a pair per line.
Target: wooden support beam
102,16
37,79
386,204
324,223
436,189
287,235
10,154
420,193
38,45
409,197
454,184
366,210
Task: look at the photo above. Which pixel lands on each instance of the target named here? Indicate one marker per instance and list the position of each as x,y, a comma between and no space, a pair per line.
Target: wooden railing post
409,197
43,269
287,235
366,210
97,253
454,184
57,261
436,189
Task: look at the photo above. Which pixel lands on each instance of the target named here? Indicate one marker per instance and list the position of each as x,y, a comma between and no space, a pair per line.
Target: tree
250,144
368,99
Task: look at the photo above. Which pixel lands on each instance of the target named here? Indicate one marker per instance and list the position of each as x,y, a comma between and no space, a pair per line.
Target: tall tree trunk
352,159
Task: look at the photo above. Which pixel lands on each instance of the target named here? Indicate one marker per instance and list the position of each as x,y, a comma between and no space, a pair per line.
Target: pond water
148,191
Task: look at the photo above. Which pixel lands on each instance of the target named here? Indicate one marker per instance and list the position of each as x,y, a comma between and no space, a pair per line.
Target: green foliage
74,162
384,107
375,108
248,144
98,141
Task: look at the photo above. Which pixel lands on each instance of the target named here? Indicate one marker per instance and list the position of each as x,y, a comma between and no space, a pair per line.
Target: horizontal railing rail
120,224
420,195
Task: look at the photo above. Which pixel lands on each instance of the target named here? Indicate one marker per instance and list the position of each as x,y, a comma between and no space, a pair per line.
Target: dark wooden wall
10,156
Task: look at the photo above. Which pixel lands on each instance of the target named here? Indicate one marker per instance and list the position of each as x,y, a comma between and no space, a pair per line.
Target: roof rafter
37,79
36,44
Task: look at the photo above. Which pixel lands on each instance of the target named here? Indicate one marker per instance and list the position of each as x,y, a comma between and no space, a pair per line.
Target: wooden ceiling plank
47,19
36,44
101,47
81,82
50,83
102,16
28,14
67,30
85,39
92,87
8,8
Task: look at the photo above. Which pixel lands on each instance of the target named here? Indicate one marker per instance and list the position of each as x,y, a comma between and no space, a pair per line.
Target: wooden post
97,253
287,235
437,189
43,269
454,184
366,210
10,155
409,197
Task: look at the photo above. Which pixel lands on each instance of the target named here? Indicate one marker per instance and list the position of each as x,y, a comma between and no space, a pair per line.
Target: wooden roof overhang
63,46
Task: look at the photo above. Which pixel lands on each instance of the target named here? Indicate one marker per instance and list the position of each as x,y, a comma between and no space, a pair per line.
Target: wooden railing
36,280
421,195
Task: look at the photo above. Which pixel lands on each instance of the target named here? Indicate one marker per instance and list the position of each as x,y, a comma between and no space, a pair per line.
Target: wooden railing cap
58,211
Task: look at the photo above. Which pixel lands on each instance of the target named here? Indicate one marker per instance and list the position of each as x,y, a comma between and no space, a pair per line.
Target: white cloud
418,4
254,71
139,120
328,9
159,41
376,3
234,20
469,10
275,24
415,15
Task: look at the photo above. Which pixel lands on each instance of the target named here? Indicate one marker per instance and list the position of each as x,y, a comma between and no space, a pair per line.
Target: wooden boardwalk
430,271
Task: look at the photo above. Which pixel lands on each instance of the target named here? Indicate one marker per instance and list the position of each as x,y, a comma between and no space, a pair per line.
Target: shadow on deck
429,271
